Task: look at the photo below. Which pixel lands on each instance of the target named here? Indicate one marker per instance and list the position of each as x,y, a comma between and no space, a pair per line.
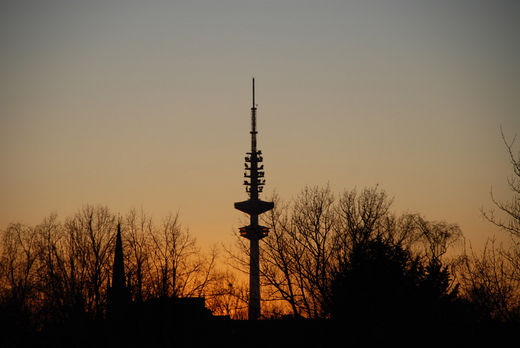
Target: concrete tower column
254,280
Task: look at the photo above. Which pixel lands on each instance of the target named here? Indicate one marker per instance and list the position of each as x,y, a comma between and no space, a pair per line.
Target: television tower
254,206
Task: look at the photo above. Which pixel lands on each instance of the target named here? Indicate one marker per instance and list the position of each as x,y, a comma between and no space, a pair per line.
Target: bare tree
138,229
202,275
91,233
226,295
51,269
362,216
165,260
297,255
279,257
510,210
178,266
436,237
492,279
19,264
491,282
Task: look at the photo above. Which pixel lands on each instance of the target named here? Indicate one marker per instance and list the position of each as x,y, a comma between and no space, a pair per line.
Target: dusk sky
146,104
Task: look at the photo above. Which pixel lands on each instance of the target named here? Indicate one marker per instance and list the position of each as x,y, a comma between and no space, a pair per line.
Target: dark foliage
382,291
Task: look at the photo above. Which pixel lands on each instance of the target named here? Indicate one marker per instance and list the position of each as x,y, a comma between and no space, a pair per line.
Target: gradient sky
146,104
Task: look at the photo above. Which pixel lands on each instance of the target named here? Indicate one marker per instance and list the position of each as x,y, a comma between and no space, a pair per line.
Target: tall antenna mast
254,207
253,121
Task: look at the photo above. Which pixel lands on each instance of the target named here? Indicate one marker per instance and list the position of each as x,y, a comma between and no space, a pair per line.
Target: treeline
340,256
59,271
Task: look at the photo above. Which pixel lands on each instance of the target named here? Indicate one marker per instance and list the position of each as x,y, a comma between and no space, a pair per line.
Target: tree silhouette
373,283
383,291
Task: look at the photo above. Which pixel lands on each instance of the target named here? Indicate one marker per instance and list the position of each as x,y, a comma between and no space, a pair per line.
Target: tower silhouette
254,206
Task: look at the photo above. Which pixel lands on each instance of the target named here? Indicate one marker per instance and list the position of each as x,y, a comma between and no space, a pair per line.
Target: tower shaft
254,279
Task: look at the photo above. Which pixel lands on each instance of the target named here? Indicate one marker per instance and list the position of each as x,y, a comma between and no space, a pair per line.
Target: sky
146,104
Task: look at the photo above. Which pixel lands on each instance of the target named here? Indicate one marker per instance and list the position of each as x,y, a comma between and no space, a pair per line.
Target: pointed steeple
118,294
118,270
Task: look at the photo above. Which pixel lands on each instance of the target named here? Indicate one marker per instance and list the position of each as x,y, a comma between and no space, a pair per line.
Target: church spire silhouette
254,206
118,269
118,294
